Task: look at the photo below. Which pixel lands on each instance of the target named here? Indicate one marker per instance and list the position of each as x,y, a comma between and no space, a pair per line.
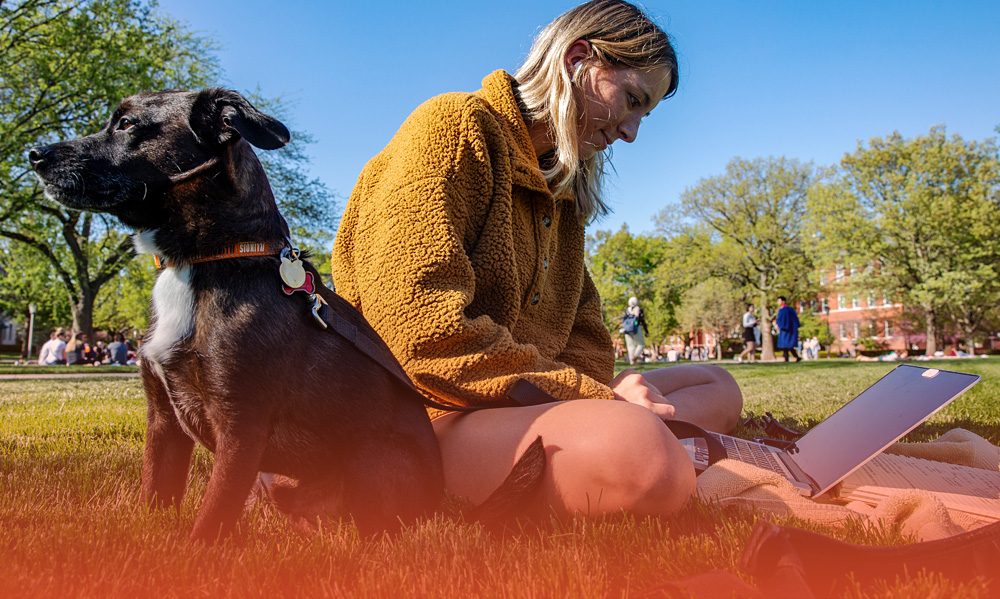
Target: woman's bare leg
701,394
603,456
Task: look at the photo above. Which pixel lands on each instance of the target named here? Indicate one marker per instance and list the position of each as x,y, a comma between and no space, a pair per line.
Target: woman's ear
577,53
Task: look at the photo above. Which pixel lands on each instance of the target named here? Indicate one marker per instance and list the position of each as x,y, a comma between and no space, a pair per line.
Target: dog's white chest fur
173,302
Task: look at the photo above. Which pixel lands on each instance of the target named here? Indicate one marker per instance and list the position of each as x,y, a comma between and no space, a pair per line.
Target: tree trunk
970,346
931,330
83,313
766,339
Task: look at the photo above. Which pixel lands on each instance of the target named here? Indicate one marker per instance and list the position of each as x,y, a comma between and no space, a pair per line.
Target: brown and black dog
246,355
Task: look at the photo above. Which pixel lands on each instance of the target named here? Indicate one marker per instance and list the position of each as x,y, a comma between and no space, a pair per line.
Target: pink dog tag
307,286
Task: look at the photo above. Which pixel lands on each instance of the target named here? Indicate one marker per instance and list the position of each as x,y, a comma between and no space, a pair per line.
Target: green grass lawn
55,369
72,523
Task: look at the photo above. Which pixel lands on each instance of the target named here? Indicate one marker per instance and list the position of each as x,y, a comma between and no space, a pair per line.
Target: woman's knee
730,397
633,462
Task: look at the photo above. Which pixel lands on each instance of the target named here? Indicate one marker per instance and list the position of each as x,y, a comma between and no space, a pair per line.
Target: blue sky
804,80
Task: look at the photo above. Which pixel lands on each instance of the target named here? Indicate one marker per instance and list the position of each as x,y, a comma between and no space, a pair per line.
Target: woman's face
613,102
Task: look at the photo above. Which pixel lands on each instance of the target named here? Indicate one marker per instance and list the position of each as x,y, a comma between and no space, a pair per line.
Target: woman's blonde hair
621,36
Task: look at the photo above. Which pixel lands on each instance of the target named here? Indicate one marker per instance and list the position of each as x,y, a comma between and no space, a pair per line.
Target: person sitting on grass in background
463,244
75,350
889,357
117,350
98,353
53,351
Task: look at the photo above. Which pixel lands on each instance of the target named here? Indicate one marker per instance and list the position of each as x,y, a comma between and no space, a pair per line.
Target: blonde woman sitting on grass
463,245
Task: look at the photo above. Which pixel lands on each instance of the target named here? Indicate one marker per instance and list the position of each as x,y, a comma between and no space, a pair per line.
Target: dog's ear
218,114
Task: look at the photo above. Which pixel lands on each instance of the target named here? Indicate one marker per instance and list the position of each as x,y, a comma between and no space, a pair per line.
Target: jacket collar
498,92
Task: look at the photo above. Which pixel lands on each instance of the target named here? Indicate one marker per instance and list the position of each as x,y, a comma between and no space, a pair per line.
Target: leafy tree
64,65
623,265
690,257
25,278
307,204
754,214
926,211
812,326
713,305
122,306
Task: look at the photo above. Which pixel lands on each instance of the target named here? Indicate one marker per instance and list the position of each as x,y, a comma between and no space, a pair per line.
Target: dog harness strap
237,250
686,430
525,393
337,324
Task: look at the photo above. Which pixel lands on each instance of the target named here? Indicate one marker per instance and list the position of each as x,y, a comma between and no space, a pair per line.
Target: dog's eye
125,123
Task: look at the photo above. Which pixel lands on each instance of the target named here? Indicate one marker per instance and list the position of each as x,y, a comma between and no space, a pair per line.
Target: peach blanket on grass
918,512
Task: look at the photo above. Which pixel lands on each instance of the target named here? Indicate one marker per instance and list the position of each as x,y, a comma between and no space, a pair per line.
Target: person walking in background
788,329
54,350
633,326
749,336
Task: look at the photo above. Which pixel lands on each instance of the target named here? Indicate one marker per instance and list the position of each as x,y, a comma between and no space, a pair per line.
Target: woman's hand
632,387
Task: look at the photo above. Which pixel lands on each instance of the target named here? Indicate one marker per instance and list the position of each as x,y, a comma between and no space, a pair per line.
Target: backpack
630,324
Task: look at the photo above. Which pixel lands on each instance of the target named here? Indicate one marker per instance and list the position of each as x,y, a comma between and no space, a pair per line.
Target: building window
854,270
855,302
843,332
872,300
825,305
840,302
888,329
855,330
839,272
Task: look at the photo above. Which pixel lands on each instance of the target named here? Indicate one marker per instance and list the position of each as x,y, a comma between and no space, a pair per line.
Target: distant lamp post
31,328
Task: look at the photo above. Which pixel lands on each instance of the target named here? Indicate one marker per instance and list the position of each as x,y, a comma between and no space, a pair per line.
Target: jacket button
535,299
546,221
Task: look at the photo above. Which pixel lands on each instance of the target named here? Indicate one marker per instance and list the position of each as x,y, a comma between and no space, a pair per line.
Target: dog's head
152,143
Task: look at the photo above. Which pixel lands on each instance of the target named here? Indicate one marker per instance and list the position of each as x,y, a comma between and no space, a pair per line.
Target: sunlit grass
29,369
72,523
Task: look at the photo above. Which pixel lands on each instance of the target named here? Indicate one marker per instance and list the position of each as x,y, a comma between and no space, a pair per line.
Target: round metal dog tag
292,273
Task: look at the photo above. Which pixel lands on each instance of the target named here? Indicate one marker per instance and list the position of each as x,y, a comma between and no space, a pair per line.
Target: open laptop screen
872,421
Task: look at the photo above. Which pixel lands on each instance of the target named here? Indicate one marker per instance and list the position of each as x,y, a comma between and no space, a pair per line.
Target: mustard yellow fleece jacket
456,252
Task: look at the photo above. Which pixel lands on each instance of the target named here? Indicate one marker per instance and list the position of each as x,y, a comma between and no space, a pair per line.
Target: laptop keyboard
751,453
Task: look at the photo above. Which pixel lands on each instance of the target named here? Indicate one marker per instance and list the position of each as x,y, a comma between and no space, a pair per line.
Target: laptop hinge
800,476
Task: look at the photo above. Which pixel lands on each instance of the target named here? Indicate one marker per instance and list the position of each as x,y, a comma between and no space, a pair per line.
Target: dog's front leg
167,455
238,453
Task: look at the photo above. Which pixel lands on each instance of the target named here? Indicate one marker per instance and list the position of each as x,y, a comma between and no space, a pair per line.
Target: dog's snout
38,155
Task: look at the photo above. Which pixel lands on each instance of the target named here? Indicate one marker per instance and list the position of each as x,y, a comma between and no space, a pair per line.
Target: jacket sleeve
589,342
405,264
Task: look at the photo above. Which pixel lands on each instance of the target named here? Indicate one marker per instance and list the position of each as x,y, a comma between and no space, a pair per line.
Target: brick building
856,315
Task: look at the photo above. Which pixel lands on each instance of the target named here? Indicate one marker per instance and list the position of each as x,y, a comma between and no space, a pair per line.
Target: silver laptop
853,435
